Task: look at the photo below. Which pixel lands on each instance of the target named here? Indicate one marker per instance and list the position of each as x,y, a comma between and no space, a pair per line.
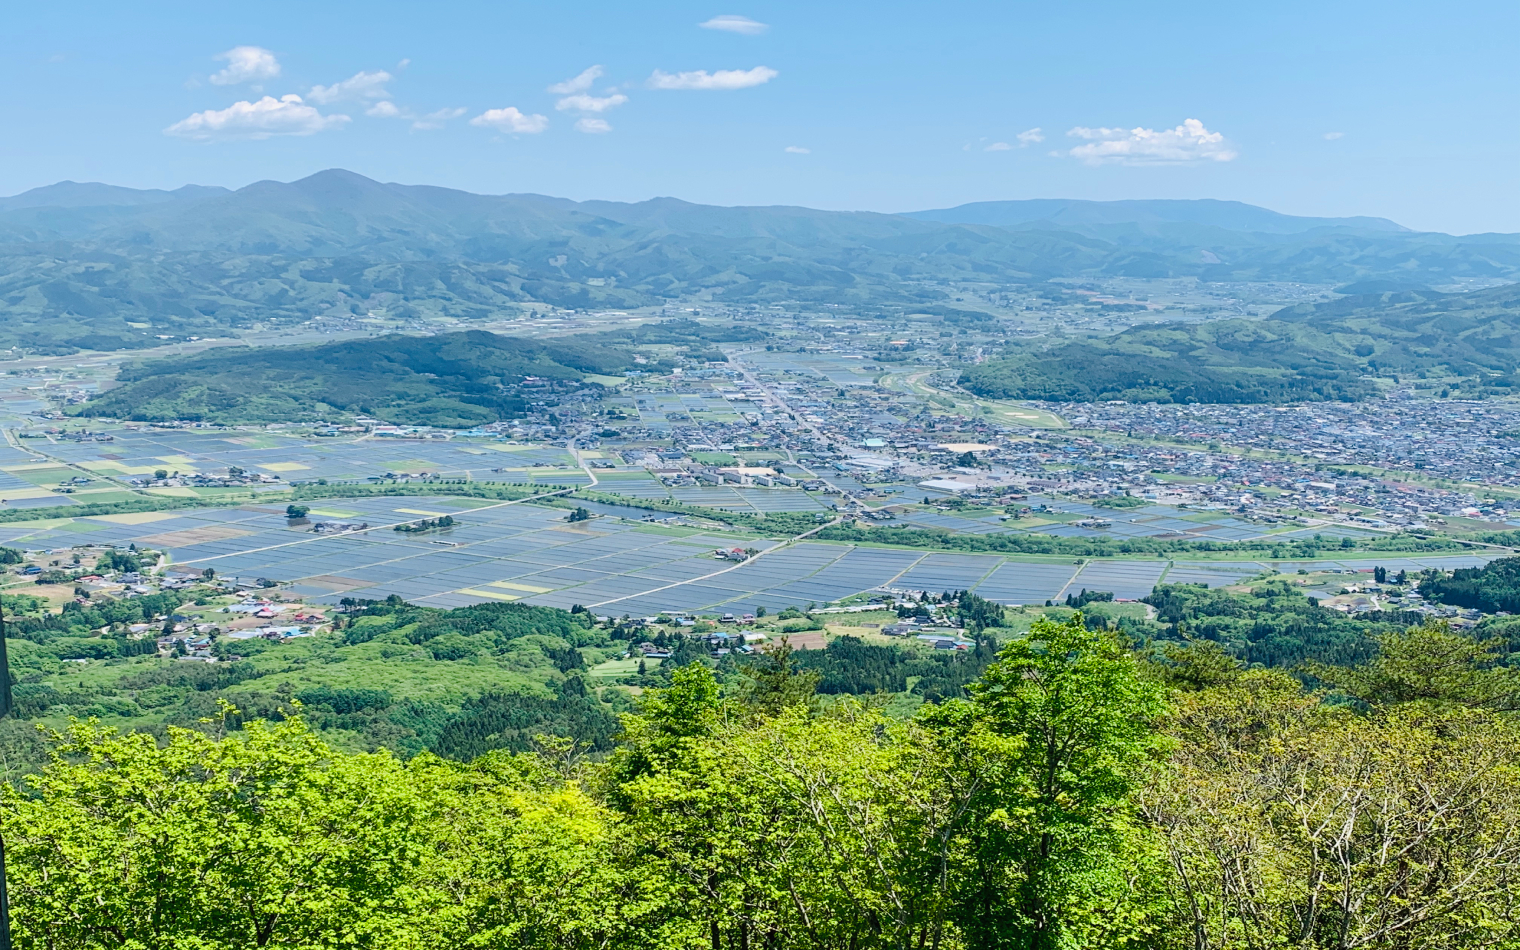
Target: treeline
1033,543
1273,624
1079,797
852,667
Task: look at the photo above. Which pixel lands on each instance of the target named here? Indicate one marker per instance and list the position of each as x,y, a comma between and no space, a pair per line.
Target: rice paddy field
522,551
616,563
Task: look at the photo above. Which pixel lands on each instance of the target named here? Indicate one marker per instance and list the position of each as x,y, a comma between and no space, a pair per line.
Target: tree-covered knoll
1271,624
1324,351
453,380
1079,796
1413,331
1225,361
1492,588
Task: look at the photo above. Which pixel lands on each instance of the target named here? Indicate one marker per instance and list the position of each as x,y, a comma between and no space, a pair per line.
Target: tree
579,514
114,560
1047,756
161,474
294,511
1431,663
266,841
772,682
1289,822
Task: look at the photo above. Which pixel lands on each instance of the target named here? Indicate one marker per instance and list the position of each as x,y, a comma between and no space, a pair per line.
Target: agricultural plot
142,452
614,565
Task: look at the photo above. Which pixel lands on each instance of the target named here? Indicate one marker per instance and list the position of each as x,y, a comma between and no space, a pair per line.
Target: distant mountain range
97,266
1068,213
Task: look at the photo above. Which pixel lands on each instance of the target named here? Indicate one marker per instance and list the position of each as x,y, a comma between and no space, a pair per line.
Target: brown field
189,536
334,582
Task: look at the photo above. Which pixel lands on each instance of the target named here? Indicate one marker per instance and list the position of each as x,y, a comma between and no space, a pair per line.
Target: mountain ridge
208,261
1076,212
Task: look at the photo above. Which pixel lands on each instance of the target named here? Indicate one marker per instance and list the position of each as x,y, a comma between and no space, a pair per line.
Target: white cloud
360,85
798,150
246,64
511,120
1332,136
579,84
732,23
592,126
256,120
1188,142
998,147
722,79
1030,137
384,109
581,102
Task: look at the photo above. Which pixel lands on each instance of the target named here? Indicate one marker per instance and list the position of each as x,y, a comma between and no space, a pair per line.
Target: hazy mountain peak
94,194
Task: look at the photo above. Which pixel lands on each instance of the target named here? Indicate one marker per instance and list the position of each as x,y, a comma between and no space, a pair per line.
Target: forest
1078,794
452,380
1493,588
1328,351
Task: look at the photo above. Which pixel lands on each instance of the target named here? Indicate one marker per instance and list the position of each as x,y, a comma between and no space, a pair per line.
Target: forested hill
1417,330
84,265
451,380
1312,352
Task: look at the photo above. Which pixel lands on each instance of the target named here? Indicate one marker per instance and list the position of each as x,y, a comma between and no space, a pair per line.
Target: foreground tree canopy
1081,797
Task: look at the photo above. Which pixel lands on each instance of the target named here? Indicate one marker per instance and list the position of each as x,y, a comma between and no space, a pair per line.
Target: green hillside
452,380
1423,330
1228,361
1312,352
84,266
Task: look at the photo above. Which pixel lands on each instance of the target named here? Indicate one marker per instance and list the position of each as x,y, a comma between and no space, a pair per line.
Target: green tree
266,841
1431,663
1047,756
773,682
296,511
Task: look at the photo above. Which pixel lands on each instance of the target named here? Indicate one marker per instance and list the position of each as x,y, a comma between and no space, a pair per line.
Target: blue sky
1395,109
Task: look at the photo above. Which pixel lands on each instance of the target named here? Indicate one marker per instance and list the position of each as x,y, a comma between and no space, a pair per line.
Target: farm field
526,552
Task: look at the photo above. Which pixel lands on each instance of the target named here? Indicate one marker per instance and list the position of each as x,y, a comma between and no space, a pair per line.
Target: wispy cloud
998,147
511,120
1030,137
578,84
246,64
733,23
385,109
268,116
436,119
361,86
592,126
798,150
581,102
1332,136
722,79
1187,143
